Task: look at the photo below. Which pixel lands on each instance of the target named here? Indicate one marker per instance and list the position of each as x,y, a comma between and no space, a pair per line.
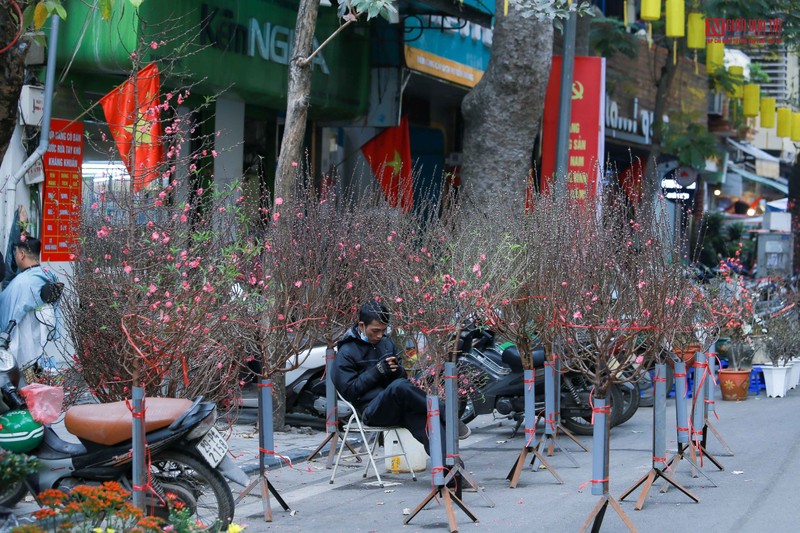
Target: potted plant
733,310
781,343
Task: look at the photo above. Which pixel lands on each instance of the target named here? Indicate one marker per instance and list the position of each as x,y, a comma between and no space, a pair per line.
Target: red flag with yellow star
134,106
389,157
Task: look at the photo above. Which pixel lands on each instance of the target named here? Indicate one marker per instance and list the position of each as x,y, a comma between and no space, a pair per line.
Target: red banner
586,129
63,188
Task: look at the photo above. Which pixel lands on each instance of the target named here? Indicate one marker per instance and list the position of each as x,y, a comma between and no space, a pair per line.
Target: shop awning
760,179
476,11
751,150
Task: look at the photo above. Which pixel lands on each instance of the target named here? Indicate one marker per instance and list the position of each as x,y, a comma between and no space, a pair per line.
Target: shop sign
448,48
62,190
586,130
270,41
637,128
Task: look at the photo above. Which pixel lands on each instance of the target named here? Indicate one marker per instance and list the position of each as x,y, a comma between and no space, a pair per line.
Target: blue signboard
447,47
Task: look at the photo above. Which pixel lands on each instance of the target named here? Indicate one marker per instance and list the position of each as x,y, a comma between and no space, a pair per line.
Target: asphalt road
756,492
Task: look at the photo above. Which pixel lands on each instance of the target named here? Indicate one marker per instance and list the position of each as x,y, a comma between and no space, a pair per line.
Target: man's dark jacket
355,372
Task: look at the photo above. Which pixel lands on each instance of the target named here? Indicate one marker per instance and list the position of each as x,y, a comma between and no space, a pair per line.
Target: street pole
565,105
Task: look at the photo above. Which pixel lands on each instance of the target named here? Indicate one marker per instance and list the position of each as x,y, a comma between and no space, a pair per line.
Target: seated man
22,301
368,373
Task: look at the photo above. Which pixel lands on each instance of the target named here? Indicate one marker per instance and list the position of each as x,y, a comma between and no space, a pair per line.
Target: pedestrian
27,300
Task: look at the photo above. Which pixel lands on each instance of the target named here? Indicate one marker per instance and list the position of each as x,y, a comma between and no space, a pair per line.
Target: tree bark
663,87
793,203
12,70
502,113
290,159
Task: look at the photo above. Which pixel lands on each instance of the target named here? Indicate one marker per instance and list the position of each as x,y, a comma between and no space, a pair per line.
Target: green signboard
241,48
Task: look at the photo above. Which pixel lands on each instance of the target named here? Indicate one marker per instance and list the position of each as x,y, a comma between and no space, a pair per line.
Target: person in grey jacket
369,373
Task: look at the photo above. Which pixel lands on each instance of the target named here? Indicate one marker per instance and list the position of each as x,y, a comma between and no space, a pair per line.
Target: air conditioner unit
715,103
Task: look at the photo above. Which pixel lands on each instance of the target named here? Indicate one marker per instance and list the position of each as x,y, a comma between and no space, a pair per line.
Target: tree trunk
12,69
502,113
290,159
663,87
793,203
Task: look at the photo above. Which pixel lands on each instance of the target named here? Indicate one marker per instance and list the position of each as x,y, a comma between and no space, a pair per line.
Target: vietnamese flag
134,105
389,157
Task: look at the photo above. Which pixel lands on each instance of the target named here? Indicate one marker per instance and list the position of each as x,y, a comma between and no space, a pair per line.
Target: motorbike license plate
212,447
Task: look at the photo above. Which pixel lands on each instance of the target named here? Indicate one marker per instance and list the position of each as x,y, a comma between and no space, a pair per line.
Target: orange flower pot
734,384
687,356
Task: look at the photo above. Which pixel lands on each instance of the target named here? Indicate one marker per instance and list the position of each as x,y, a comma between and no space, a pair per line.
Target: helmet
19,432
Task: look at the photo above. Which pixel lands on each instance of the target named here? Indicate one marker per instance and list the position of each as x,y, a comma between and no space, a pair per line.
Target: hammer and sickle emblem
577,90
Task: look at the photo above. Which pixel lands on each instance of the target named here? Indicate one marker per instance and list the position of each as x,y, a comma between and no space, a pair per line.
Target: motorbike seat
110,423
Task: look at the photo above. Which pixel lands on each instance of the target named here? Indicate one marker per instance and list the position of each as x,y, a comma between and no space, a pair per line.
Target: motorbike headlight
204,426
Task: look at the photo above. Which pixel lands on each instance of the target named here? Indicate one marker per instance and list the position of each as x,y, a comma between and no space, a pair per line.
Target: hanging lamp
715,56
784,127
651,10
737,77
795,127
696,35
675,24
767,113
751,99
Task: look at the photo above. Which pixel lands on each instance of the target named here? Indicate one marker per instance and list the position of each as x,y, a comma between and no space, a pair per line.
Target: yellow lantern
715,56
767,112
675,19
795,127
651,10
737,75
750,102
784,128
696,31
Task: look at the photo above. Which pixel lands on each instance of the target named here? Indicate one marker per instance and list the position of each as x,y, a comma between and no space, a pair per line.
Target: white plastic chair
368,446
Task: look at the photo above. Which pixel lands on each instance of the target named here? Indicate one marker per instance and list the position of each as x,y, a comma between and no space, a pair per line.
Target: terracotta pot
687,356
734,384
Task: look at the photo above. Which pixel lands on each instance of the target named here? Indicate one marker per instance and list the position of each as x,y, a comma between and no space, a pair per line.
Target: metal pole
698,400
331,405
529,378
435,441
451,413
138,449
266,436
660,415
550,395
565,106
600,443
681,413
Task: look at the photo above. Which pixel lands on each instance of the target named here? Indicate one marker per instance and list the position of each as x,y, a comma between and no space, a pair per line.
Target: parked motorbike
497,375
305,389
188,456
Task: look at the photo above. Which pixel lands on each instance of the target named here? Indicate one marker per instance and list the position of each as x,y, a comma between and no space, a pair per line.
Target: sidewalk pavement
757,490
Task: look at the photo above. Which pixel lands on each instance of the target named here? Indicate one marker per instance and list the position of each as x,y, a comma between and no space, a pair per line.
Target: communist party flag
133,108
389,157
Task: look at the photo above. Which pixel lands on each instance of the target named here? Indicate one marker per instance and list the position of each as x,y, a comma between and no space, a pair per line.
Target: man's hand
388,366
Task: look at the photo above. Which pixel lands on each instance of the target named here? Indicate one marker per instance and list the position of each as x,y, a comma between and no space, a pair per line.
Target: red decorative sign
63,188
586,129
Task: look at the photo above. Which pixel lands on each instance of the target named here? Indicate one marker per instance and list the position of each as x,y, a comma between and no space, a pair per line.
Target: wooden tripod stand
266,487
448,498
516,470
648,479
266,446
599,511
